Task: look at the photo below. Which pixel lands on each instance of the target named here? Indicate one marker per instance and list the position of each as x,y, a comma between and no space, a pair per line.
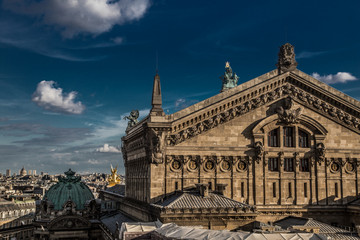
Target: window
336,190
176,185
273,164
305,190
288,136
289,164
210,185
290,190
274,189
242,189
303,139
304,165
273,138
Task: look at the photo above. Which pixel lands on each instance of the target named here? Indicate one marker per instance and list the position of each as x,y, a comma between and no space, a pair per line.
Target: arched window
303,139
273,138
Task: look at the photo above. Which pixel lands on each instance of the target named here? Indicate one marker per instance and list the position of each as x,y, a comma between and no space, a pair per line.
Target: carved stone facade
284,142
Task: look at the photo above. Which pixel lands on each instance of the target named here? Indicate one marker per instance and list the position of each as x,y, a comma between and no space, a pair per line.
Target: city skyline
68,77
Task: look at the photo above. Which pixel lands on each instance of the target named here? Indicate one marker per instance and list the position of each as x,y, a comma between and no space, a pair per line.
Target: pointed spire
156,101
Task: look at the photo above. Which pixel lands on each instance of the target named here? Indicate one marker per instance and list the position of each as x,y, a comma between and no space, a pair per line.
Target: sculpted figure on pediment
286,61
286,114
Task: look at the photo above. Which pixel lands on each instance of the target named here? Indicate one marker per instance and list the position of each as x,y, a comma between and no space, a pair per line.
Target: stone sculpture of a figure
286,61
133,118
229,79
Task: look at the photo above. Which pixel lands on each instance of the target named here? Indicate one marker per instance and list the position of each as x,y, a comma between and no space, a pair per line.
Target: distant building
8,172
29,172
34,172
22,171
68,211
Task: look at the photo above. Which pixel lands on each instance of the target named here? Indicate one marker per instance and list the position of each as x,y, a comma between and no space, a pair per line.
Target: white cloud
340,77
307,54
81,16
179,102
94,162
118,40
53,99
115,127
108,149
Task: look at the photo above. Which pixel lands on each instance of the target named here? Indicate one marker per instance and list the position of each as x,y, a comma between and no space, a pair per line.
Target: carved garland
286,90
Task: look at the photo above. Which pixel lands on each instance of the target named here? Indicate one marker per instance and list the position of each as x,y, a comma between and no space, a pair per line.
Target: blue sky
70,70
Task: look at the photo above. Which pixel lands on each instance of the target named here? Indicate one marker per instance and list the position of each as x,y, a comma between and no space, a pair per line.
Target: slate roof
193,199
356,202
324,229
173,231
118,189
110,220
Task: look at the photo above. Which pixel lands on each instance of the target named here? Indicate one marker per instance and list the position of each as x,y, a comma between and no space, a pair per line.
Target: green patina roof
69,188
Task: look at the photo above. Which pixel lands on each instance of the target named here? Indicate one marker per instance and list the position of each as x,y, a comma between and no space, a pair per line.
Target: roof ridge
177,199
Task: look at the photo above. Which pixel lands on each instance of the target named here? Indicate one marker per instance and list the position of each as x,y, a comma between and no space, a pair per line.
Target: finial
69,173
227,64
286,61
157,63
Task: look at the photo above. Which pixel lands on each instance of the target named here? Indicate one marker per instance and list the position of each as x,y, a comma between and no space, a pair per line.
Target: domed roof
69,188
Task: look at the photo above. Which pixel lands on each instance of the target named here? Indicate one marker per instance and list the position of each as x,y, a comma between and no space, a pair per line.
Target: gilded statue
114,178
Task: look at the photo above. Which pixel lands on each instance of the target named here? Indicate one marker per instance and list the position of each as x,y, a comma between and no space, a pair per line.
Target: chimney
203,189
220,188
156,100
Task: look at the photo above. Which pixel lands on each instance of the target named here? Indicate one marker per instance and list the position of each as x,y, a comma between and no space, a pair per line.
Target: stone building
283,142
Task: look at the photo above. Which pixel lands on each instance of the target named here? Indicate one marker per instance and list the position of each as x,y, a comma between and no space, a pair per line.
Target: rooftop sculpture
229,79
133,118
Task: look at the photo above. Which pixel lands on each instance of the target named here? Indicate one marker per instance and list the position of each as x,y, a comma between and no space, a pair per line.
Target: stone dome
69,188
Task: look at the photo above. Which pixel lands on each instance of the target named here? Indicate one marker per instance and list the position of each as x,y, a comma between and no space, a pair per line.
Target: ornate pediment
68,223
253,98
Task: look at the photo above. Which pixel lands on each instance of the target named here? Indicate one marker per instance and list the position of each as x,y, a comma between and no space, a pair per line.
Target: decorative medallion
334,167
176,165
242,166
350,167
209,165
69,224
192,165
225,165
